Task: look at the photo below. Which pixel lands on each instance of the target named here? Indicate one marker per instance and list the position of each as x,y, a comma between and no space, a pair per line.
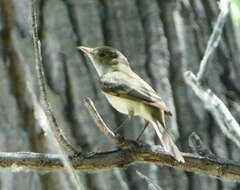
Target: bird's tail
167,141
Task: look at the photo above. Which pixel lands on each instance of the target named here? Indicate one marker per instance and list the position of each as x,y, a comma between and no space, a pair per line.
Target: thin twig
214,38
54,128
118,140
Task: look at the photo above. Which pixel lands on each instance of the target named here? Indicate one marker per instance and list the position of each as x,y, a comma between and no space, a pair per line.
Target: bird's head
105,59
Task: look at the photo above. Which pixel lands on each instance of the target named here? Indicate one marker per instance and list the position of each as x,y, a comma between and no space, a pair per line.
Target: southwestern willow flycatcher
129,94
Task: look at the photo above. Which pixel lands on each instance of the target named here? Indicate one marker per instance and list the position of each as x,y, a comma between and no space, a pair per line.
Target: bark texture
162,39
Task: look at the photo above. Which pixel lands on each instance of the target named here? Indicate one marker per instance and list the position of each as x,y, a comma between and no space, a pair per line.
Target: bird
129,94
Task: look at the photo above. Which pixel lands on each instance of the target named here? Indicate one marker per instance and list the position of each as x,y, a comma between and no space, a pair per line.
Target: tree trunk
162,40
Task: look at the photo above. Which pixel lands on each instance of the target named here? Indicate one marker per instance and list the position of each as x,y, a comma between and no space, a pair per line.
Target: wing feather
131,87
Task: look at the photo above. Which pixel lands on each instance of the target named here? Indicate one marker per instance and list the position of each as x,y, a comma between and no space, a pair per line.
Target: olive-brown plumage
130,94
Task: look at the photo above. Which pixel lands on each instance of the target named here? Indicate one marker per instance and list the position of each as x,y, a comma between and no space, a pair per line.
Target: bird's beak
86,50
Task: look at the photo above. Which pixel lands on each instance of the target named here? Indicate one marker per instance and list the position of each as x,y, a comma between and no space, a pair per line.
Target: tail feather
167,141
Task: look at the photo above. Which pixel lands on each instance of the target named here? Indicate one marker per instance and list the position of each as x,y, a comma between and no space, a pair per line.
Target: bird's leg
121,125
145,126
130,115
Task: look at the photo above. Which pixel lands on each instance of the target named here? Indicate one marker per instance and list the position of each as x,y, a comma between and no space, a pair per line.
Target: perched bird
130,94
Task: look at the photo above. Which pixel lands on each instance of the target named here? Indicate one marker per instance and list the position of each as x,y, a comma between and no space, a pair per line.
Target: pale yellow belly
127,106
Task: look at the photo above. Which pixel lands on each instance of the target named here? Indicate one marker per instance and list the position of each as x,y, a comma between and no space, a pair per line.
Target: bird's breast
122,105
127,106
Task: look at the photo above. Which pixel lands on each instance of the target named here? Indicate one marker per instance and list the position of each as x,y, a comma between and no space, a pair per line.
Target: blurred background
162,40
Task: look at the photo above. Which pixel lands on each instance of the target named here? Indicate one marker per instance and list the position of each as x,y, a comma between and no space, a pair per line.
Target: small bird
129,94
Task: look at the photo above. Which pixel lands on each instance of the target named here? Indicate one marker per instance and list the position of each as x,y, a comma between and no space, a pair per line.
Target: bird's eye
101,54
114,55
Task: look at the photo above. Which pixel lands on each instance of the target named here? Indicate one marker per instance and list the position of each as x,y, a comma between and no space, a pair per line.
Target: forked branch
212,103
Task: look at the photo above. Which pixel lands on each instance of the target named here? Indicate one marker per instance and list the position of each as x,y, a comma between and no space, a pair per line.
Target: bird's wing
131,87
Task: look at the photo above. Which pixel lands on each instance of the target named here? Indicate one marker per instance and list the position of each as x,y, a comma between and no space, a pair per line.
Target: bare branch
54,128
214,39
122,158
220,112
42,84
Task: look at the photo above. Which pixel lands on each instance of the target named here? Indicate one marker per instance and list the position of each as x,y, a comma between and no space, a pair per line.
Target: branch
129,153
42,84
220,112
122,158
218,109
214,39
54,128
115,138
